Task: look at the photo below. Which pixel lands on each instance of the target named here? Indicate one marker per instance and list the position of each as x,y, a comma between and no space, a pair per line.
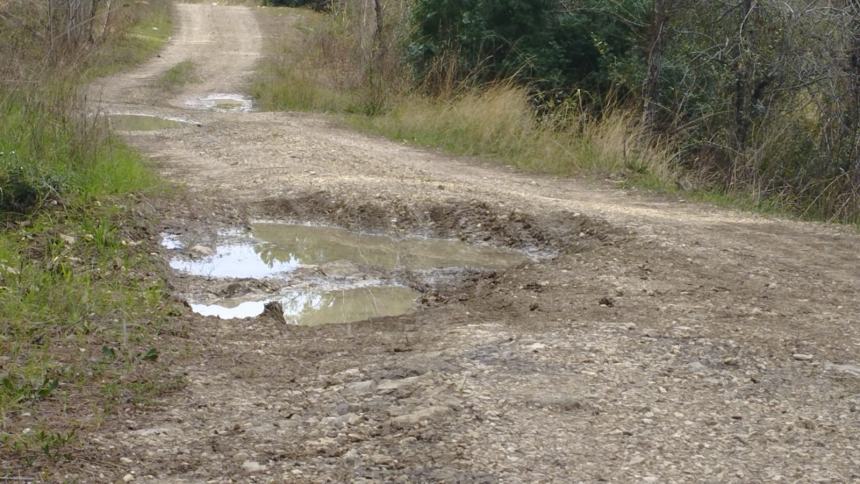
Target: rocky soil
661,341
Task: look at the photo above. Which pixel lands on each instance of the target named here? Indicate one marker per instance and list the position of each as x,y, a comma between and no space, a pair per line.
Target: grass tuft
178,76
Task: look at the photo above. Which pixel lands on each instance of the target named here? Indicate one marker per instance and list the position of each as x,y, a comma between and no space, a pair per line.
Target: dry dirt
663,342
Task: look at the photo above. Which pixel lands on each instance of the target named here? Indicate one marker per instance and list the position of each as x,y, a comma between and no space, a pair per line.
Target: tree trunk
657,46
743,104
852,115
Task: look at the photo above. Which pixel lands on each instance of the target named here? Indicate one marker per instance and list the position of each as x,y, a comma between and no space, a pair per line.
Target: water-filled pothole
315,307
319,245
222,103
142,122
318,274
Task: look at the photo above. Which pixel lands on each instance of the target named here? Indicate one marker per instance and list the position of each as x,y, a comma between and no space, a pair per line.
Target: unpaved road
727,347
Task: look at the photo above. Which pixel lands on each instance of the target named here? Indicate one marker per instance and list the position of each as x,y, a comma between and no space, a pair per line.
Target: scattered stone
125,460
343,408
128,478
417,417
8,270
849,369
387,386
348,419
252,466
202,251
536,347
802,357
68,239
607,302
361,387
274,310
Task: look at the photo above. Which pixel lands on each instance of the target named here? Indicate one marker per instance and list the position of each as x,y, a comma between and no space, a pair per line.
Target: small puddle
222,103
350,276
312,308
141,122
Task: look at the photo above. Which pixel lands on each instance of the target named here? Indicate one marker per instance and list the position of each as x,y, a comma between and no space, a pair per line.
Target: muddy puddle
319,275
221,102
318,245
142,122
314,307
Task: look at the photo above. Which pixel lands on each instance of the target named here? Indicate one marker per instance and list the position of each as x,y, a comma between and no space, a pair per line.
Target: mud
657,340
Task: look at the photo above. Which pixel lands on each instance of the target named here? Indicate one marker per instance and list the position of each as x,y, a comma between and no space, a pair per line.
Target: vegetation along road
598,333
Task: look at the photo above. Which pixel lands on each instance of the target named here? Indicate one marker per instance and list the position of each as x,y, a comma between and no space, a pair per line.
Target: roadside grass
319,68
178,76
315,70
83,306
498,123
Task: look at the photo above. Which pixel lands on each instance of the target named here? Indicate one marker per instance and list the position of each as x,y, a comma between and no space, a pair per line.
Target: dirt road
661,342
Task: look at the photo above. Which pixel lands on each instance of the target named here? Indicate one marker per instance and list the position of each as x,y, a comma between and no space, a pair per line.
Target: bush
524,39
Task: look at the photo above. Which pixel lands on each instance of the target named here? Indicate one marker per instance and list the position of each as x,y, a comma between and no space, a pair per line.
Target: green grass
178,76
76,278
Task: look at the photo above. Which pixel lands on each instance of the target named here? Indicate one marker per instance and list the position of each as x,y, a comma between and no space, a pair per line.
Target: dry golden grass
500,123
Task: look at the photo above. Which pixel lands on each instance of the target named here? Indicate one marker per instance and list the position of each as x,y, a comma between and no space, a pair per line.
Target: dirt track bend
729,349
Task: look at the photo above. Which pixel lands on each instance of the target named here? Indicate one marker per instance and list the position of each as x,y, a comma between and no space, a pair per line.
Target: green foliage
528,40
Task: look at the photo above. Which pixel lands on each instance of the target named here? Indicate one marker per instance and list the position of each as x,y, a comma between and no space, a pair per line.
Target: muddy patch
317,274
471,221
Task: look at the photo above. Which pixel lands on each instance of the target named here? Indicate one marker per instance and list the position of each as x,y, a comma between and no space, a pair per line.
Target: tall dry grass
335,66
499,122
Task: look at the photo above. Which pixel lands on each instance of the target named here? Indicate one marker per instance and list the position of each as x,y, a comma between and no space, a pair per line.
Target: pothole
317,307
319,275
222,103
143,122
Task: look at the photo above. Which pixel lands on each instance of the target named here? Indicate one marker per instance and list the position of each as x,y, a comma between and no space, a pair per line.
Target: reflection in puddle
236,261
249,309
312,308
319,245
141,122
222,103
278,249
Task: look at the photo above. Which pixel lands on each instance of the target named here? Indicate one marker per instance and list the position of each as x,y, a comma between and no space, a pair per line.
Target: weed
178,76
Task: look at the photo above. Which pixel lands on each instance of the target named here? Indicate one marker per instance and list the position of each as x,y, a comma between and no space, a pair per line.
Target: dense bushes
529,40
